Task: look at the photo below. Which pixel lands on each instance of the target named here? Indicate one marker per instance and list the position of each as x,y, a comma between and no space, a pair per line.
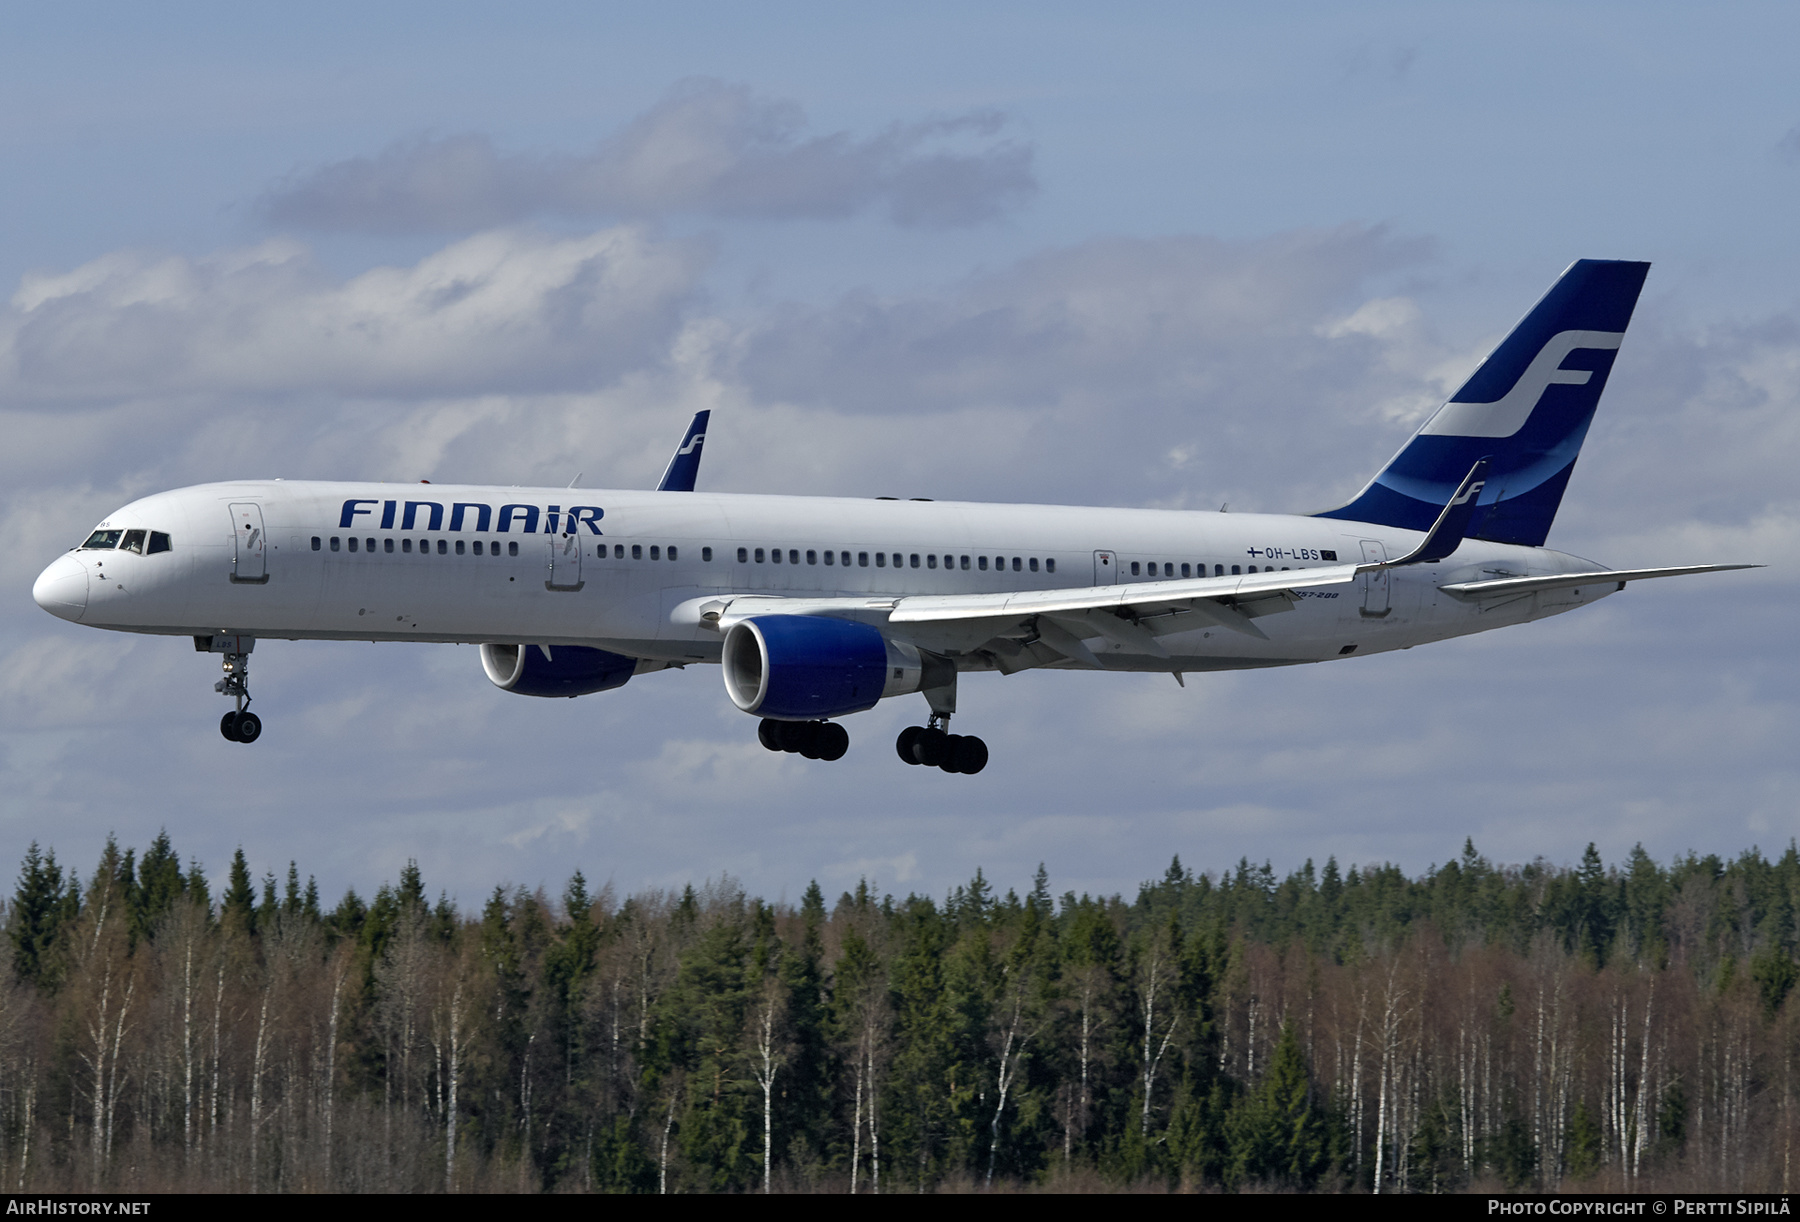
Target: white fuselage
629,576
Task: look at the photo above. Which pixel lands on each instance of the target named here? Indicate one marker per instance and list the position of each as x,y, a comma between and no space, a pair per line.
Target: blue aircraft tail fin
1526,410
684,467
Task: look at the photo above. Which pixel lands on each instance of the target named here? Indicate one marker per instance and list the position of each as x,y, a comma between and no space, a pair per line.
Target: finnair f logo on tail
692,445
1473,491
1508,414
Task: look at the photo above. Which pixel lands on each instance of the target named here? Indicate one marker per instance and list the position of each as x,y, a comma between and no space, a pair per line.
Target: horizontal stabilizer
1504,586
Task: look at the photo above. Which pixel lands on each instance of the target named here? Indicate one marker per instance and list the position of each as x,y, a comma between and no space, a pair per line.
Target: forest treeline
1533,1027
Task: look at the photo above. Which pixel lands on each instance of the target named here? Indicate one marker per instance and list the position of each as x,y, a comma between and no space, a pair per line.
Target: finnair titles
817,608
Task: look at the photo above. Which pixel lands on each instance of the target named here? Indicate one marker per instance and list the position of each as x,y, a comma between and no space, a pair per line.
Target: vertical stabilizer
1526,410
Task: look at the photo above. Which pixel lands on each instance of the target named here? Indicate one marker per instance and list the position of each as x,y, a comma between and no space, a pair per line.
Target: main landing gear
932,746
816,740
240,725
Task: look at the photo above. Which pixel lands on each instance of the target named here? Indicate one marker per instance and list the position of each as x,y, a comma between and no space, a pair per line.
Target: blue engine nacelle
555,670
800,667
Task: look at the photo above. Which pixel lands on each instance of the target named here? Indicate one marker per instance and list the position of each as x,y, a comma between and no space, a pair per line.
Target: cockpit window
133,542
102,540
159,542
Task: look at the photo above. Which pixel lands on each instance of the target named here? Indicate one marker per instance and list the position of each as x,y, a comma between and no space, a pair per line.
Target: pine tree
36,919
239,910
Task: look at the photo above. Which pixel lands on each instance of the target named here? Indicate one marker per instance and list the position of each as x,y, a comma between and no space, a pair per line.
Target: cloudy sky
1141,255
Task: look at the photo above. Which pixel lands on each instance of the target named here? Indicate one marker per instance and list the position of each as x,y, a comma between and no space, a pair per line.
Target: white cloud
708,147
506,308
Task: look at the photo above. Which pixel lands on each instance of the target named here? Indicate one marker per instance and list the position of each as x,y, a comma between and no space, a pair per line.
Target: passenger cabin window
844,557
812,557
334,543
931,561
706,555
674,554
655,552
387,545
775,555
1050,565
1134,568
793,555
862,560
512,549
461,548
880,560
1235,571
981,563
759,555
830,557
315,542
102,541
637,551
743,555
443,547
352,542
1034,564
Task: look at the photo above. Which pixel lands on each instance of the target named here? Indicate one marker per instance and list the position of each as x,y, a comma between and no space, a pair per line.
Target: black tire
907,743
834,740
249,727
931,748
768,733
806,738
228,726
972,757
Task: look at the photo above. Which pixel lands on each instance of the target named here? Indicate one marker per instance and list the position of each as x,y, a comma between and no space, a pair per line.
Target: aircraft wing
1227,602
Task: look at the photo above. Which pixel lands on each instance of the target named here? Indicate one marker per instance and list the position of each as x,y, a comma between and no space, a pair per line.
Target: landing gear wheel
805,737
908,743
249,727
967,755
228,726
833,740
931,747
768,733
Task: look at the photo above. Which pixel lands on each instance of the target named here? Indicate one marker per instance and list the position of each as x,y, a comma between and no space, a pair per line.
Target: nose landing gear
934,747
240,725
816,740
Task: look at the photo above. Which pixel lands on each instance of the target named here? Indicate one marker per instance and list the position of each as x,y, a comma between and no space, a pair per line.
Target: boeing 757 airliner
818,608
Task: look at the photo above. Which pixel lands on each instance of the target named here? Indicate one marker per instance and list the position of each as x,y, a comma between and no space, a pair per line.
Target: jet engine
802,667
555,670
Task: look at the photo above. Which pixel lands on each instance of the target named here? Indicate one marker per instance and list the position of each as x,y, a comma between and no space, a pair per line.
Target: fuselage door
564,572
249,543
1106,568
1375,585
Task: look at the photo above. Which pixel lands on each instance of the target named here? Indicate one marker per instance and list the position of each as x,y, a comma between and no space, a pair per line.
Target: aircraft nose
62,589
